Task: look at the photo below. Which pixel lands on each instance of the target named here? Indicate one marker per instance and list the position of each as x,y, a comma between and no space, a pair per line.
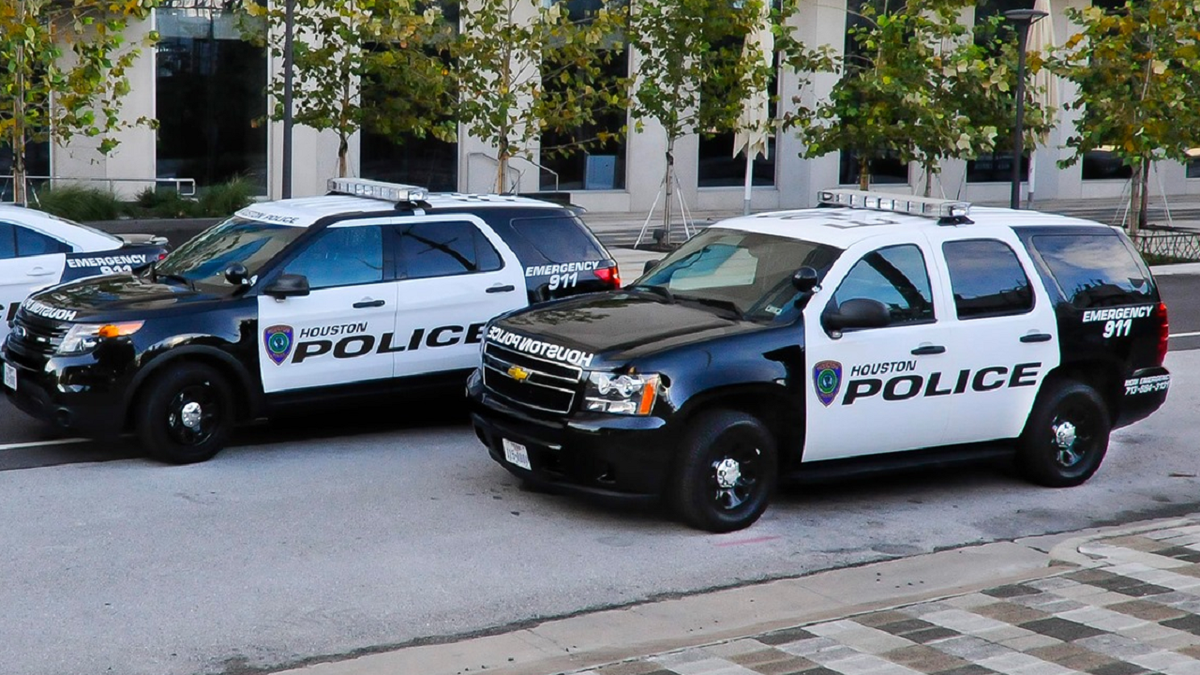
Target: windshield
743,271
203,259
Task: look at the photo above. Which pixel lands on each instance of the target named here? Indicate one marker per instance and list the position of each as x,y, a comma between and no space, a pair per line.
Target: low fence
1174,246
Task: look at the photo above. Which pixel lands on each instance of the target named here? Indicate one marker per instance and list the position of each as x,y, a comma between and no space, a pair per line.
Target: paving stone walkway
1136,611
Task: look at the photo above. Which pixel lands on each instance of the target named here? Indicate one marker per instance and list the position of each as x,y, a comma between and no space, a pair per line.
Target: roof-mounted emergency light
374,189
946,210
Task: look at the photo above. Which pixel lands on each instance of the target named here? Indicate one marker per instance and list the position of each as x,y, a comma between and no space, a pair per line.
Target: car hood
113,298
615,327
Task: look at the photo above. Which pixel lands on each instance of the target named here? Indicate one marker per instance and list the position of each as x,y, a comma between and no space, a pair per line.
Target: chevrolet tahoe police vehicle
373,289
38,250
881,330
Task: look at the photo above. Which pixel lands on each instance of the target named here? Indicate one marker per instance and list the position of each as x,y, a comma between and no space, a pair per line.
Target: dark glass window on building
37,164
888,169
211,97
996,167
1193,168
601,166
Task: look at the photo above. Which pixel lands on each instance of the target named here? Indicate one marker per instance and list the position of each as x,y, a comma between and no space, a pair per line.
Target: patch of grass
77,202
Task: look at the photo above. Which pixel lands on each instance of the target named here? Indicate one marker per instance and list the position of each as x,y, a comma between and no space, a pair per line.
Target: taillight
1164,333
609,275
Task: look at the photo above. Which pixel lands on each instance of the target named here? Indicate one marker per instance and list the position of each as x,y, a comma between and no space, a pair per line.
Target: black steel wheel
185,414
725,473
1066,436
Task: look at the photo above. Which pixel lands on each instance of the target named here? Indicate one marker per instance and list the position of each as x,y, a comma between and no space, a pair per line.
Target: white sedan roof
80,237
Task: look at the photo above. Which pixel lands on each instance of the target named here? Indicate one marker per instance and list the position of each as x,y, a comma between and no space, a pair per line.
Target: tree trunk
1145,193
501,171
1135,198
930,171
668,183
18,129
343,149
864,174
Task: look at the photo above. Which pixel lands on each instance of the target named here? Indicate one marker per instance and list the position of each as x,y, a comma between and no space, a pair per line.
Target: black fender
244,384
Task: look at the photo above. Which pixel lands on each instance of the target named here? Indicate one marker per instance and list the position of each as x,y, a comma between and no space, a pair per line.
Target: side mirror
805,279
237,274
650,265
288,286
856,313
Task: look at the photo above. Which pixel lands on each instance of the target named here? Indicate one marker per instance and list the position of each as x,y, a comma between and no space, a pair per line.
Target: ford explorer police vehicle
376,288
38,250
886,328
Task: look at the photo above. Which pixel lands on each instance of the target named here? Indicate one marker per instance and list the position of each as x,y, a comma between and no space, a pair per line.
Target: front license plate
10,376
516,454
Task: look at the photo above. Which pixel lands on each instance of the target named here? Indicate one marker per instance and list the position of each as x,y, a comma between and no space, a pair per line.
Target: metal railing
186,187
1173,246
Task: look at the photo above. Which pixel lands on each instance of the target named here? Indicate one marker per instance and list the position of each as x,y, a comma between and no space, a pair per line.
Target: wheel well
237,382
772,409
1105,378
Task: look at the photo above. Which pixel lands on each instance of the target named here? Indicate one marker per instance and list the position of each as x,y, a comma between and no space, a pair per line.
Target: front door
871,391
336,334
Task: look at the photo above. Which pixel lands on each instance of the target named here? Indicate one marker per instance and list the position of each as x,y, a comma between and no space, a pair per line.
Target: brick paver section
1137,614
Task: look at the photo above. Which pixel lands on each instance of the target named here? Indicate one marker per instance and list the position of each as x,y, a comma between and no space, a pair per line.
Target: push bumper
622,458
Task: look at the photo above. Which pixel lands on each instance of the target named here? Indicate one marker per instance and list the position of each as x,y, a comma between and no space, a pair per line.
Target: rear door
29,260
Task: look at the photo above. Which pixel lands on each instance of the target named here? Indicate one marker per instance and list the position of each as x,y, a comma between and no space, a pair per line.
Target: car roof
304,211
844,226
79,236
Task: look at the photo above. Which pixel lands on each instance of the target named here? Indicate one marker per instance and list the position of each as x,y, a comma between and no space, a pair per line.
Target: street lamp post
1021,19
289,21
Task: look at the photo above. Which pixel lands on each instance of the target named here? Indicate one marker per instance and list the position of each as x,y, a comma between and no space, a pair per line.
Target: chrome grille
548,387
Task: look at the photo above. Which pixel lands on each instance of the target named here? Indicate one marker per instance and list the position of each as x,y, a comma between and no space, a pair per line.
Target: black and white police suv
882,329
375,288
38,250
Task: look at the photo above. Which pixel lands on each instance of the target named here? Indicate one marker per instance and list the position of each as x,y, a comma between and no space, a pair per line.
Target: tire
1066,436
725,473
185,414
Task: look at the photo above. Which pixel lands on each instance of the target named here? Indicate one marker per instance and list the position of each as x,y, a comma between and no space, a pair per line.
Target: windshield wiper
657,290
177,277
727,305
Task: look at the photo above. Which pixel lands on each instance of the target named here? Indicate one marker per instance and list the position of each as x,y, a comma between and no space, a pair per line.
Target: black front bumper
616,457
73,393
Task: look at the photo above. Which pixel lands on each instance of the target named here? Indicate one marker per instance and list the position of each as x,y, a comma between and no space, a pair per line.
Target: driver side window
895,276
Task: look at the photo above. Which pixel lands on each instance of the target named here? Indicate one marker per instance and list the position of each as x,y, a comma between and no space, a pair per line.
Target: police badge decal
278,341
827,378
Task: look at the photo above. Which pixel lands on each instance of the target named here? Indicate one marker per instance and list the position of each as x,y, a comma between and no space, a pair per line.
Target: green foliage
226,198
71,52
80,203
1137,71
508,52
342,46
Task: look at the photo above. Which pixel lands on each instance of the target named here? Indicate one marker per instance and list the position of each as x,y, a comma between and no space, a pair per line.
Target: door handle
363,304
40,272
506,288
1036,337
928,349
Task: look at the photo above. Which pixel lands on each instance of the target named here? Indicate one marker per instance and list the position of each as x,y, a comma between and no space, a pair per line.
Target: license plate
516,454
10,377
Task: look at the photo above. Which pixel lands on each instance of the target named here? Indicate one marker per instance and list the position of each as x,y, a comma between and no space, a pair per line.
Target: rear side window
36,243
8,242
442,249
987,279
559,239
1094,270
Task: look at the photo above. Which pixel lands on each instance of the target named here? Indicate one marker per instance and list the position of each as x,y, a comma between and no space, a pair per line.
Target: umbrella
1041,39
754,122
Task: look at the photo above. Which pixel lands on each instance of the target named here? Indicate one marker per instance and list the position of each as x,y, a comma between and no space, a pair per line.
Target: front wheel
1066,436
725,473
185,415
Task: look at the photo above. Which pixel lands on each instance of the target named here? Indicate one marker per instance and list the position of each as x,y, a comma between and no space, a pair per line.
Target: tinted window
36,243
341,256
442,249
987,279
559,239
895,276
1094,270
8,242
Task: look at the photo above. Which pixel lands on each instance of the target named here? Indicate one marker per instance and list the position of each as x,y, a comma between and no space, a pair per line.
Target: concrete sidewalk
1113,601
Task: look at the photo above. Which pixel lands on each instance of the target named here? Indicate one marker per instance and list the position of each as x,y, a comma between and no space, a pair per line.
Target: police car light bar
880,201
374,189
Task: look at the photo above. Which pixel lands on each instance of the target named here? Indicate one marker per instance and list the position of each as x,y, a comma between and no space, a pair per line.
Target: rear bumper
1145,391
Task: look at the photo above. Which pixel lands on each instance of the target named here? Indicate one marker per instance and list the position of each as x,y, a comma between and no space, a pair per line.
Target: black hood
620,325
116,297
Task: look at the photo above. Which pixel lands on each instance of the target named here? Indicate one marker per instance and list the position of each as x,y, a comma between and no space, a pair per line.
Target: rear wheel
1066,436
185,414
725,473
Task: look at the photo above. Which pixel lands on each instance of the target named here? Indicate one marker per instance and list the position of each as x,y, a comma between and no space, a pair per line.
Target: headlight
621,394
83,337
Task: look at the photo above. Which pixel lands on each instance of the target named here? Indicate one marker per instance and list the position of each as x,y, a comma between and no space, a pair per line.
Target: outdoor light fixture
1021,19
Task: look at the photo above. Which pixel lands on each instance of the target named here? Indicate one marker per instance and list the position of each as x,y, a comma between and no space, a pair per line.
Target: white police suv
881,330
39,250
374,289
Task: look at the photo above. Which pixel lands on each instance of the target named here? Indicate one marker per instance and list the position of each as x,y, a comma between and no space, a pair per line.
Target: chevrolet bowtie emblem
518,373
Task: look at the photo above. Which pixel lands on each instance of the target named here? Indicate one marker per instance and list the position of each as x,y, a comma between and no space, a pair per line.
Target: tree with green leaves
1137,71
525,68
341,47
63,73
